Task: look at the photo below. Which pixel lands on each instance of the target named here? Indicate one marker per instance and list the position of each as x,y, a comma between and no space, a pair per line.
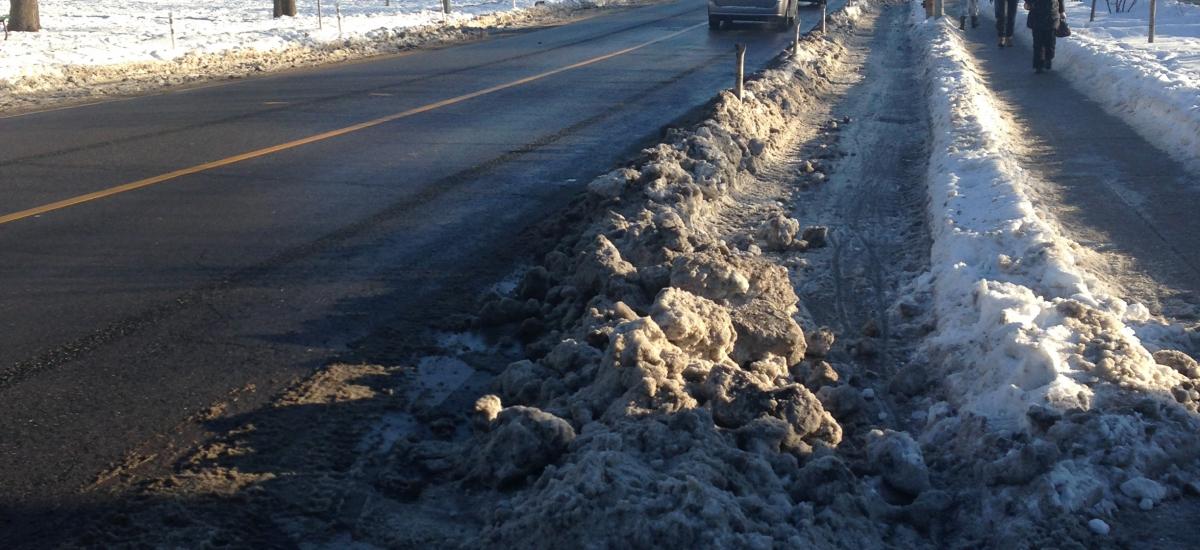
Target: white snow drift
1024,339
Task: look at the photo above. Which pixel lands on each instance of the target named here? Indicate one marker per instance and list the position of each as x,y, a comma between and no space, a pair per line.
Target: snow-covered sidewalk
109,46
1153,87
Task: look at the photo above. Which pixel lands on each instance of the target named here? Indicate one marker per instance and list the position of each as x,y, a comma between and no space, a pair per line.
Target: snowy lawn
1154,87
114,33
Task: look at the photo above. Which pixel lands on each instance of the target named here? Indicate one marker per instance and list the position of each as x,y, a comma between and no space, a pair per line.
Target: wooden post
1153,10
171,22
741,70
1093,16
939,8
446,7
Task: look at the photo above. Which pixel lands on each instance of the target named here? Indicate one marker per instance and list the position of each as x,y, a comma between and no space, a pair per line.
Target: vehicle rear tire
714,22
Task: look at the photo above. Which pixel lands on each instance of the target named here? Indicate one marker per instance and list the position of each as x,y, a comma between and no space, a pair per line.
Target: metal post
171,22
446,7
796,42
320,24
1093,16
823,10
337,6
741,69
1153,10
939,8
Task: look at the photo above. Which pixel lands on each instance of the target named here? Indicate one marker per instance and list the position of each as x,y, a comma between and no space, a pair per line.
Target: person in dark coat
1044,17
1006,18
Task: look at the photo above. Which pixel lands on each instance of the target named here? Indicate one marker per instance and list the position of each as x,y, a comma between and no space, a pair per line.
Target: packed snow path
125,316
1108,187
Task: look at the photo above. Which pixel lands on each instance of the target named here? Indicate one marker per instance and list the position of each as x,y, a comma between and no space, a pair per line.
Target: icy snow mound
1038,366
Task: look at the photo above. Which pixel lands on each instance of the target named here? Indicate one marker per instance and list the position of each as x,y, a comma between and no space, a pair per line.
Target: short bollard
1153,11
741,69
796,42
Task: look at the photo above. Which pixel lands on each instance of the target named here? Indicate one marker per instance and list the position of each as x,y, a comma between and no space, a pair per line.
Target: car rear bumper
747,13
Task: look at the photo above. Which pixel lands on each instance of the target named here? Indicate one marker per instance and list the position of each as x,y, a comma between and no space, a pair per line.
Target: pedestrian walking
1044,18
1006,19
968,8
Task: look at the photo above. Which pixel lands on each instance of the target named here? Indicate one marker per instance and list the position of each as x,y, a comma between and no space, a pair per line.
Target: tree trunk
285,7
23,16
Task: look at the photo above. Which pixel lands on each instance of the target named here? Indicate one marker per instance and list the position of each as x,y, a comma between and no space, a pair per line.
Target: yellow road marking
59,205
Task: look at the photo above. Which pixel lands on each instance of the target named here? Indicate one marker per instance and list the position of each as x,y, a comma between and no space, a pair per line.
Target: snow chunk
899,460
779,232
696,325
522,441
1140,488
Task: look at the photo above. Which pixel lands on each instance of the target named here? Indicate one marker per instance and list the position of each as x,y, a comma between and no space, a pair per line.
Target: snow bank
1155,87
1047,383
108,46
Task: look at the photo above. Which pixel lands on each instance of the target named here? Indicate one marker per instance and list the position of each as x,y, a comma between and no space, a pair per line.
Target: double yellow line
131,186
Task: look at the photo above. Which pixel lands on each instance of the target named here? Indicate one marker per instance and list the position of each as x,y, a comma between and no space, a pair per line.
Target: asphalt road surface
162,254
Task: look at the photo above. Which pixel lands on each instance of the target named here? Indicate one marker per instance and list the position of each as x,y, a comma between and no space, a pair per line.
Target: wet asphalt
124,317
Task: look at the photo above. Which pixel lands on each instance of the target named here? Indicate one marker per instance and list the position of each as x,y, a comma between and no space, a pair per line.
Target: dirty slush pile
666,399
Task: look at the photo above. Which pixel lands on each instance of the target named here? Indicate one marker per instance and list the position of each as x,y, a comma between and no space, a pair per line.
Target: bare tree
23,16
285,7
